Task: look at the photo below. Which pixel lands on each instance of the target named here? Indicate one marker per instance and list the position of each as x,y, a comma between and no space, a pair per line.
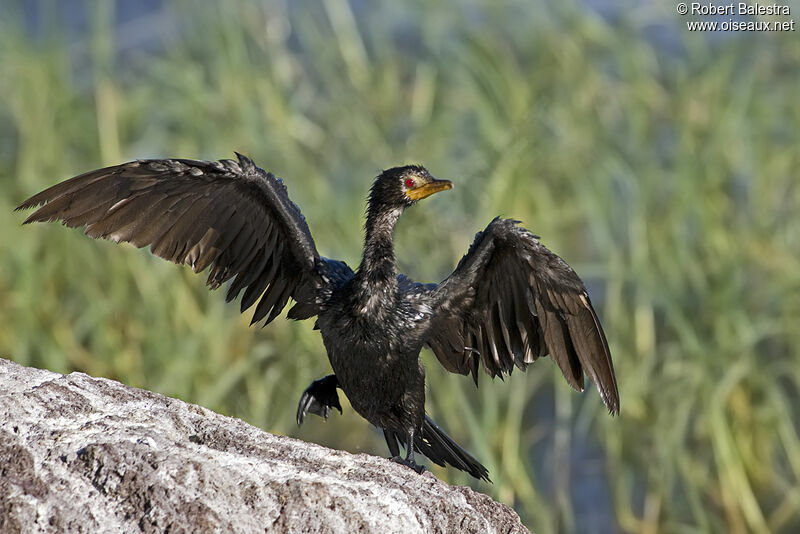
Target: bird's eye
409,183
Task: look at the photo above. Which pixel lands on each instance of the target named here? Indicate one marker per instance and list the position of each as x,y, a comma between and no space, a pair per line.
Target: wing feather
511,300
229,217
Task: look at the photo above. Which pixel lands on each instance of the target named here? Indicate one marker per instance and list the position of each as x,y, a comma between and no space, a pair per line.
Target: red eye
409,183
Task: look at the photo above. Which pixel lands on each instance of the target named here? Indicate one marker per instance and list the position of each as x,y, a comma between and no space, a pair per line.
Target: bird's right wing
228,215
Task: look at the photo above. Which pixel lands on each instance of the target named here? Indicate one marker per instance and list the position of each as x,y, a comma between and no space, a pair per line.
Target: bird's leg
318,398
408,461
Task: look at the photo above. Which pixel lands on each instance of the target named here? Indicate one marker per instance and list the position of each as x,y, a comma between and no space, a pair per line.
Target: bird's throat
378,263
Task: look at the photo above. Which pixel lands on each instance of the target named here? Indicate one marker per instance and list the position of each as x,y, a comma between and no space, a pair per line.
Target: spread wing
228,215
511,300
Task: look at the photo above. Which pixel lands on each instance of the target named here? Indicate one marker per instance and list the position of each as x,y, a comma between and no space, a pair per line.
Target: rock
83,454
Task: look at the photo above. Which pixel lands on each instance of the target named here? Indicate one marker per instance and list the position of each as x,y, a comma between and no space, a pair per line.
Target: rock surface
83,454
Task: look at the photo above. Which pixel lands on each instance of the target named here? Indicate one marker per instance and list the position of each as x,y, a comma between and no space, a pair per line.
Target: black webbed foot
318,398
408,463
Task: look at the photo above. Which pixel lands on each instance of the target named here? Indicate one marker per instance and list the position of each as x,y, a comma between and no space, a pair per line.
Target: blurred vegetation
661,164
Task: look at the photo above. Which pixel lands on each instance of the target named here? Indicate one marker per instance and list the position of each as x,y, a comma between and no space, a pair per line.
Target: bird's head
401,187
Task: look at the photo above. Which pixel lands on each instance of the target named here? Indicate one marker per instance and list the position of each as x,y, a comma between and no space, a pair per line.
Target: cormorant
509,301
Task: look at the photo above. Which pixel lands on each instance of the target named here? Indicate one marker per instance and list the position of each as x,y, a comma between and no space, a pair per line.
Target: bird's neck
378,266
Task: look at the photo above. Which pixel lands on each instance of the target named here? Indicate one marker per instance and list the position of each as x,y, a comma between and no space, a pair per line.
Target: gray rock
83,454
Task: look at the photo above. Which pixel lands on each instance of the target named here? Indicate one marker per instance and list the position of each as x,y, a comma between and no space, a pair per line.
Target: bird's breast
374,324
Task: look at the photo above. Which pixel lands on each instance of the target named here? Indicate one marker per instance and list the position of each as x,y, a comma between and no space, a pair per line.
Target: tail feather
441,449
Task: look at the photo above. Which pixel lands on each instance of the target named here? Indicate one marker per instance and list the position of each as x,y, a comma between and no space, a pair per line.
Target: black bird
509,301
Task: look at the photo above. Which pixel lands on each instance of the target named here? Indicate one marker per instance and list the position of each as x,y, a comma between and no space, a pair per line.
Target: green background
662,164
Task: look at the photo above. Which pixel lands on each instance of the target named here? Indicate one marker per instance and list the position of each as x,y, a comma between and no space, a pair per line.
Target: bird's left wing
511,300
228,215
